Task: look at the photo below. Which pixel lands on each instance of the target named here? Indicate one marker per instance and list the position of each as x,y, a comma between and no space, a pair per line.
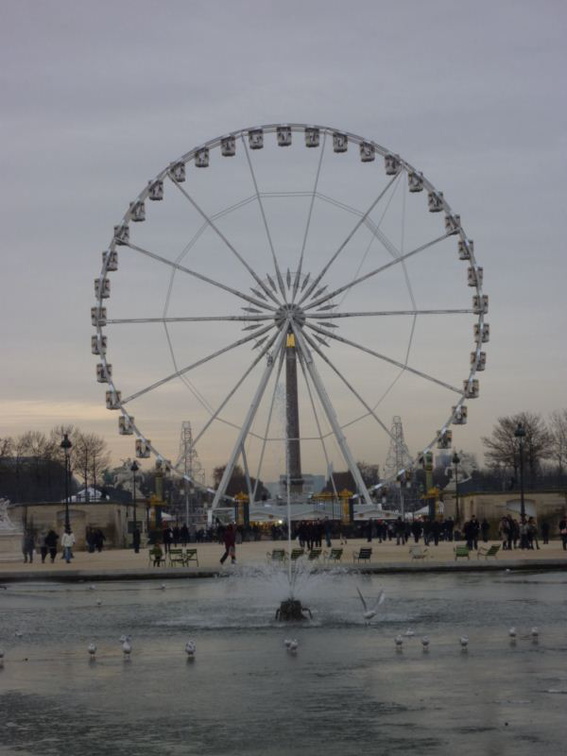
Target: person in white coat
67,542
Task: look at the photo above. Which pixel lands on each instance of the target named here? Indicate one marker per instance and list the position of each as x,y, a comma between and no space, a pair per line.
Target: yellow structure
242,509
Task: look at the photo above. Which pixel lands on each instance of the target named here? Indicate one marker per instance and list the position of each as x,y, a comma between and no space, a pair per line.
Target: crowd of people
402,531
522,533
514,533
48,541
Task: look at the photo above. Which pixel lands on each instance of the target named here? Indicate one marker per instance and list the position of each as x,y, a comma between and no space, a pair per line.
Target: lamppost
66,446
136,535
520,434
456,461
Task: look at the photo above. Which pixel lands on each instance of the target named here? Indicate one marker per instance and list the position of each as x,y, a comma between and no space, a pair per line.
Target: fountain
10,536
291,610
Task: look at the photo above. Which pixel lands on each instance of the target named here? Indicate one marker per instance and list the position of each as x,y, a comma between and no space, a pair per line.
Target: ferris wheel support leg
239,445
331,416
247,475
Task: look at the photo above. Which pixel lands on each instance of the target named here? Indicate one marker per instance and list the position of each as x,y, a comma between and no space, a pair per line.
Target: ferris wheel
289,288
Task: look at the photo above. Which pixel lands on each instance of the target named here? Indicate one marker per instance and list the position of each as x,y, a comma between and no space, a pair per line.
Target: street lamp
136,535
456,461
66,446
520,434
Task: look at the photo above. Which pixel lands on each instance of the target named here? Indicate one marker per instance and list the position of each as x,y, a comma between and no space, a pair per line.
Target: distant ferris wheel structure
350,294
399,457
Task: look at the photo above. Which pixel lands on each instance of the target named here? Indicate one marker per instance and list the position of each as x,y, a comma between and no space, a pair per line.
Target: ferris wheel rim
404,166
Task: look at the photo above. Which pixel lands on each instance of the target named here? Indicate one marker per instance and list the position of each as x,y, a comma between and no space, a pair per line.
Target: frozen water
345,689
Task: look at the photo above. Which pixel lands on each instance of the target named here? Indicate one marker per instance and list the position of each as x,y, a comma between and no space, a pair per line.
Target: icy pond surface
347,689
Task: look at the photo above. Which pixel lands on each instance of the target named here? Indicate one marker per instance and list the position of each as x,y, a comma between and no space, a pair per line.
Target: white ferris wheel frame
289,304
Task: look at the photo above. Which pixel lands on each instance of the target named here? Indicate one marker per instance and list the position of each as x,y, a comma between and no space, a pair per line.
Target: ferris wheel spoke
198,363
358,224
201,277
385,358
264,220
220,234
215,413
347,383
399,260
297,279
384,313
192,319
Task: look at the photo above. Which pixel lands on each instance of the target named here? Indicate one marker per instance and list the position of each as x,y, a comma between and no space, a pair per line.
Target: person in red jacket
229,538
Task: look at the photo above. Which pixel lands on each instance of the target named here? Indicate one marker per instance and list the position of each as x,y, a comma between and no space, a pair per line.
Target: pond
347,688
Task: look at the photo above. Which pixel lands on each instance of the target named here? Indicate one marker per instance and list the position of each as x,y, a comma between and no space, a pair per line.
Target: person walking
167,538
400,530
43,547
505,533
471,529
67,542
51,542
28,545
545,531
563,532
229,538
532,534
524,542
327,524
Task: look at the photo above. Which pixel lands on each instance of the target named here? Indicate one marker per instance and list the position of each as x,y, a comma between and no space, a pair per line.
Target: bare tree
90,457
503,447
370,473
558,429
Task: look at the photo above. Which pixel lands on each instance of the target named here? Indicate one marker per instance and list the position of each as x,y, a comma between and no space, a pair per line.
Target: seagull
162,587
98,602
535,633
92,650
369,613
18,633
512,633
292,645
190,649
399,641
425,642
92,587
126,646
287,642
464,641
409,633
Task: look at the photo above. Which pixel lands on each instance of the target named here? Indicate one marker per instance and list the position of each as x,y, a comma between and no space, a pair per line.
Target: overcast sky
98,97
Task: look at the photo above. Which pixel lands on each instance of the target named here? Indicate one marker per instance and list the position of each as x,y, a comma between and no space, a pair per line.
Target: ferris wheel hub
290,313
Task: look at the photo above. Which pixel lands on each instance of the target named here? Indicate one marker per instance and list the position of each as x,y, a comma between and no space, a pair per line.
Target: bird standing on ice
126,646
92,650
190,649
369,612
